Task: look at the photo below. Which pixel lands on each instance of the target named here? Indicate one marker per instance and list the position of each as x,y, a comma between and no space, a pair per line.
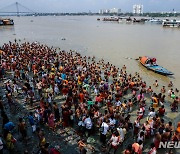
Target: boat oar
133,58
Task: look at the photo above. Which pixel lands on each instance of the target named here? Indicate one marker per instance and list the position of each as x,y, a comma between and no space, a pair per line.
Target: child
156,83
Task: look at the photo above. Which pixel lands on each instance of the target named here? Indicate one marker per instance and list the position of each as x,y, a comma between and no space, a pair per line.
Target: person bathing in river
163,90
156,83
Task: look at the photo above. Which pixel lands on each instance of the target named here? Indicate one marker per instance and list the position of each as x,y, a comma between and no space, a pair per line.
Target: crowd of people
94,94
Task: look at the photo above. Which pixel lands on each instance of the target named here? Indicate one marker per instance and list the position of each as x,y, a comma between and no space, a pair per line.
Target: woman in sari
51,121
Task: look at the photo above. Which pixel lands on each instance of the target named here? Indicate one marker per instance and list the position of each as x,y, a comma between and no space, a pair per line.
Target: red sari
51,121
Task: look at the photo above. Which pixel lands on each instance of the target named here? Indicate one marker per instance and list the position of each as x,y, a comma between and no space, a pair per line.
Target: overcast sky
93,5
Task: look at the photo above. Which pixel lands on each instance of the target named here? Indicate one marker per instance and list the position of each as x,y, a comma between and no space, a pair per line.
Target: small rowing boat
4,22
150,64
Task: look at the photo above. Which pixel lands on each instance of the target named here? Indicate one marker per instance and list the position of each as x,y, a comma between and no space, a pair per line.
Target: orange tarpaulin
144,59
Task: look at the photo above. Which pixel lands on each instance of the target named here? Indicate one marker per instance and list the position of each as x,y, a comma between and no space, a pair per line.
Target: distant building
138,9
103,11
107,11
113,10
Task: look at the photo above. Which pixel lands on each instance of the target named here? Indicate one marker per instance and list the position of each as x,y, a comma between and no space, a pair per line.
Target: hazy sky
93,5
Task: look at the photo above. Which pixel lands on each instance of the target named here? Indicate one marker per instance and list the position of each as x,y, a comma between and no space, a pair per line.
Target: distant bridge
16,9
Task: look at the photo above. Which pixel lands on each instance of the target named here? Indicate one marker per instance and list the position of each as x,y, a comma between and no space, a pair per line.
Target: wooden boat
150,64
129,20
8,22
139,20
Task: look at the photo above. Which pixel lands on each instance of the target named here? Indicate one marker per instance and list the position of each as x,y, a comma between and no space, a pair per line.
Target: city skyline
95,5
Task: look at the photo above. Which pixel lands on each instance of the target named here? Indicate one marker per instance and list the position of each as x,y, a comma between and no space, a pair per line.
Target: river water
109,40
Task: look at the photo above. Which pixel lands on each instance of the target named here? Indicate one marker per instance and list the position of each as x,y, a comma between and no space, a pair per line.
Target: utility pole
17,9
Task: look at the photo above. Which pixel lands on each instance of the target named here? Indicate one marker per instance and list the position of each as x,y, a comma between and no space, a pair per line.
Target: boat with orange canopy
150,63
